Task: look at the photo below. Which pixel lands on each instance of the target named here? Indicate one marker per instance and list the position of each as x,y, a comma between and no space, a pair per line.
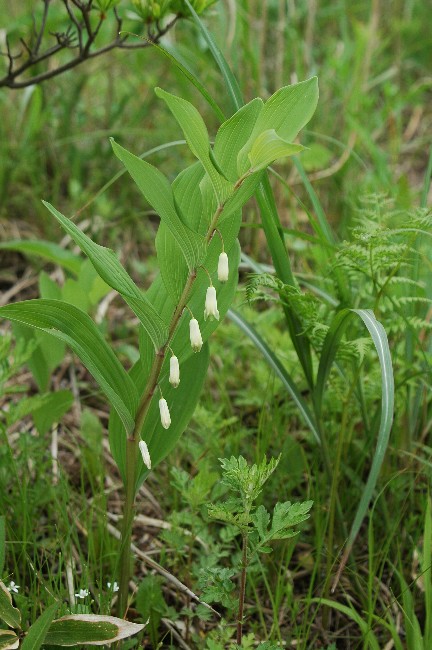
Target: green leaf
8,640
112,272
46,355
188,188
286,112
89,629
157,191
2,543
261,519
328,354
287,515
269,147
47,250
8,613
38,631
233,135
76,328
55,406
45,409
173,268
278,369
195,132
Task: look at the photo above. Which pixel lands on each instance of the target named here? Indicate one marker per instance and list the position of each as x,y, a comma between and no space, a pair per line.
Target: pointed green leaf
289,109
269,147
195,132
8,613
112,272
89,629
77,329
38,631
47,250
157,191
287,112
287,515
233,135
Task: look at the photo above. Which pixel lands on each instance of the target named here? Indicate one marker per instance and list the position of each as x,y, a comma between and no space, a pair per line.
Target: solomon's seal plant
183,306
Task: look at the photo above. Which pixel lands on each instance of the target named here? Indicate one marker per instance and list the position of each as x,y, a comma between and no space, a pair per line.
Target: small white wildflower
195,335
223,268
13,587
211,309
174,377
164,413
113,585
145,455
83,593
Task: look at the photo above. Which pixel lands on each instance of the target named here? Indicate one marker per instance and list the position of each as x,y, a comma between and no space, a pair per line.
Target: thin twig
42,27
66,40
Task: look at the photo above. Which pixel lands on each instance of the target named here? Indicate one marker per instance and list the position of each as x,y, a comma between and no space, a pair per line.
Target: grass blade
229,78
278,369
331,344
38,631
324,228
368,636
426,570
190,76
274,235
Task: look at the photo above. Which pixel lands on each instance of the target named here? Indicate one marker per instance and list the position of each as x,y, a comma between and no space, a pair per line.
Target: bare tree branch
80,35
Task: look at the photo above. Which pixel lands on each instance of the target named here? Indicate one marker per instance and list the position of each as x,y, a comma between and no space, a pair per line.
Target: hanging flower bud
195,335
164,413
223,269
211,309
145,455
174,377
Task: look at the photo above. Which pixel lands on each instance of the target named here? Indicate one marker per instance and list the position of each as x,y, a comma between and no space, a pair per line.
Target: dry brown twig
80,36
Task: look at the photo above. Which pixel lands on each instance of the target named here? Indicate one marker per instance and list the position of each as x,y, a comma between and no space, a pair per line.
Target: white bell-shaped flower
174,376
223,267
211,310
145,455
195,335
164,413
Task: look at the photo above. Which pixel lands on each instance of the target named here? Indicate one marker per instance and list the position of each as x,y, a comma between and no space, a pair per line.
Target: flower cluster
196,341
